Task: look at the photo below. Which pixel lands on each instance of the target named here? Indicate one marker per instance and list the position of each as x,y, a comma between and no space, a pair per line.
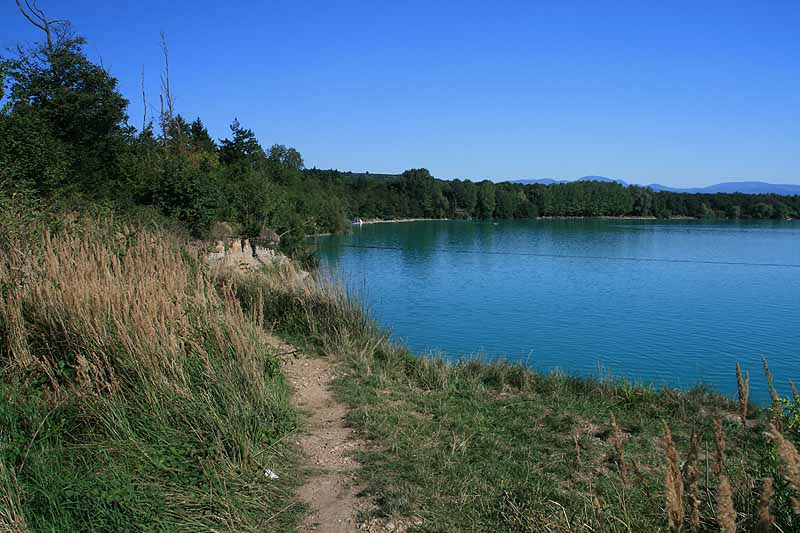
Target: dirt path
328,443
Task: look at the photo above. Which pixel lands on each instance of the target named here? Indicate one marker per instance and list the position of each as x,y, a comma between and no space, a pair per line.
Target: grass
134,395
494,446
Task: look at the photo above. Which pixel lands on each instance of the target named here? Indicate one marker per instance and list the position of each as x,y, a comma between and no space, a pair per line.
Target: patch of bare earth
330,493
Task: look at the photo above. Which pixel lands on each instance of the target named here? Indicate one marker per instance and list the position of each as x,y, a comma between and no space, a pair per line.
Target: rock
390,526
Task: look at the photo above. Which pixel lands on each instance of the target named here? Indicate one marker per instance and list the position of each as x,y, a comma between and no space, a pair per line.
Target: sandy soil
328,443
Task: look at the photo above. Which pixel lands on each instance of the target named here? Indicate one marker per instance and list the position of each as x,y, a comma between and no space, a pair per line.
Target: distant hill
746,187
548,181
602,179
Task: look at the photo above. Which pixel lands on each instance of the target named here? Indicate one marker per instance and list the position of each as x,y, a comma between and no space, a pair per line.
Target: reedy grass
134,393
743,387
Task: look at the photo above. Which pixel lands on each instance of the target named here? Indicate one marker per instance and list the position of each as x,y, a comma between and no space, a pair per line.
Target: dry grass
164,383
12,516
766,521
725,511
790,464
617,440
673,483
126,319
743,385
772,392
692,481
726,514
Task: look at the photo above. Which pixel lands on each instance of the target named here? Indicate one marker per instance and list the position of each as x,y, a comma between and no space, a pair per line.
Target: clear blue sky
681,93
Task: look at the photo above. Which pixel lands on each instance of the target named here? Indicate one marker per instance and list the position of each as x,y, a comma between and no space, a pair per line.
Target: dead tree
38,18
167,119
144,103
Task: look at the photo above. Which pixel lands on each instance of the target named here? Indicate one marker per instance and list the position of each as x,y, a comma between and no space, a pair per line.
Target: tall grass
134,394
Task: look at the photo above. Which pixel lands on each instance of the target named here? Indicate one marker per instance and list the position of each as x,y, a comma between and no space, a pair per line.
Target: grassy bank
493,446
134,394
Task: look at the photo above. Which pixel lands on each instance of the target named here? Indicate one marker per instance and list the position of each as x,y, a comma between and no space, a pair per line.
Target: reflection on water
576,294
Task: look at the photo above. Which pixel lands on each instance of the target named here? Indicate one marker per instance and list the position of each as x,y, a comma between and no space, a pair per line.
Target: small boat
357,221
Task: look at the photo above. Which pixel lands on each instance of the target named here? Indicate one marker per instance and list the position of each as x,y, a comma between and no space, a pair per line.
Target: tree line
66,139
415,193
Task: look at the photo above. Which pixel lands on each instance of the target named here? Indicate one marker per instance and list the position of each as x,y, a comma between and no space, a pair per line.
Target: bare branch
166,87
32,12
144,103
27,16
35,9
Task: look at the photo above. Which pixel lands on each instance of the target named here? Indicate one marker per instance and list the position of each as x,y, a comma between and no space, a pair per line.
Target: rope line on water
568,256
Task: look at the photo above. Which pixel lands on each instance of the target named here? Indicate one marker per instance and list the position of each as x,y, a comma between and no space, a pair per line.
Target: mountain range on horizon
745,187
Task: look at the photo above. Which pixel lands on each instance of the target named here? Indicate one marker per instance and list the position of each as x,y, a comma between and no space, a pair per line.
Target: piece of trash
270,474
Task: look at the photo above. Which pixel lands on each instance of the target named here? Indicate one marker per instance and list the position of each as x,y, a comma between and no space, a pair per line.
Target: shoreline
395,220
559,217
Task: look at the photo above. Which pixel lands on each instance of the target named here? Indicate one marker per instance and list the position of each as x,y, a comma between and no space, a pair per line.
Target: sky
678,93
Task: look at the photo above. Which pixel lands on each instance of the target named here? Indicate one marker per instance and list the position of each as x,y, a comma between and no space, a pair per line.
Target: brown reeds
726,514
743,383
598,513
691,475
776,399
790,463
765,519
673,483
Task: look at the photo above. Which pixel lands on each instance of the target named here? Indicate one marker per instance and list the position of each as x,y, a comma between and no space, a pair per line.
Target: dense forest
67,141
415,193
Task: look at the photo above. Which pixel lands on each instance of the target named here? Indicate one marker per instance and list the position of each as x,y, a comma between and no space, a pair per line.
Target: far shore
577,217
390,220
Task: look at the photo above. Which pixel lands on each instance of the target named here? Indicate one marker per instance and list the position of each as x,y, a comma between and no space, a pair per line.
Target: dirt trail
328,443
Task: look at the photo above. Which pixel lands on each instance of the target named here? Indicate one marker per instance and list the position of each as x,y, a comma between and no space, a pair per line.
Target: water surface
675,303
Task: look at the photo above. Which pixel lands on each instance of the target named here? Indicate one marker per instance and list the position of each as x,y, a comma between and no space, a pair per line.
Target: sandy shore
387,221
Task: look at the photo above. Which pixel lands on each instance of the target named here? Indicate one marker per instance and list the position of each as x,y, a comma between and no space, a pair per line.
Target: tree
31,157
199,138
486,199
465,195
241,148
506,202
286,158
418,184
285,166
69,99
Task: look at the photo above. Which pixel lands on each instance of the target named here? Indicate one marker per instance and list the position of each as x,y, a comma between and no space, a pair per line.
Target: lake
676,303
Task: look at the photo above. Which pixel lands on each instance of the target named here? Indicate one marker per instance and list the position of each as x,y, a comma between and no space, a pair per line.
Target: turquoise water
675,303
